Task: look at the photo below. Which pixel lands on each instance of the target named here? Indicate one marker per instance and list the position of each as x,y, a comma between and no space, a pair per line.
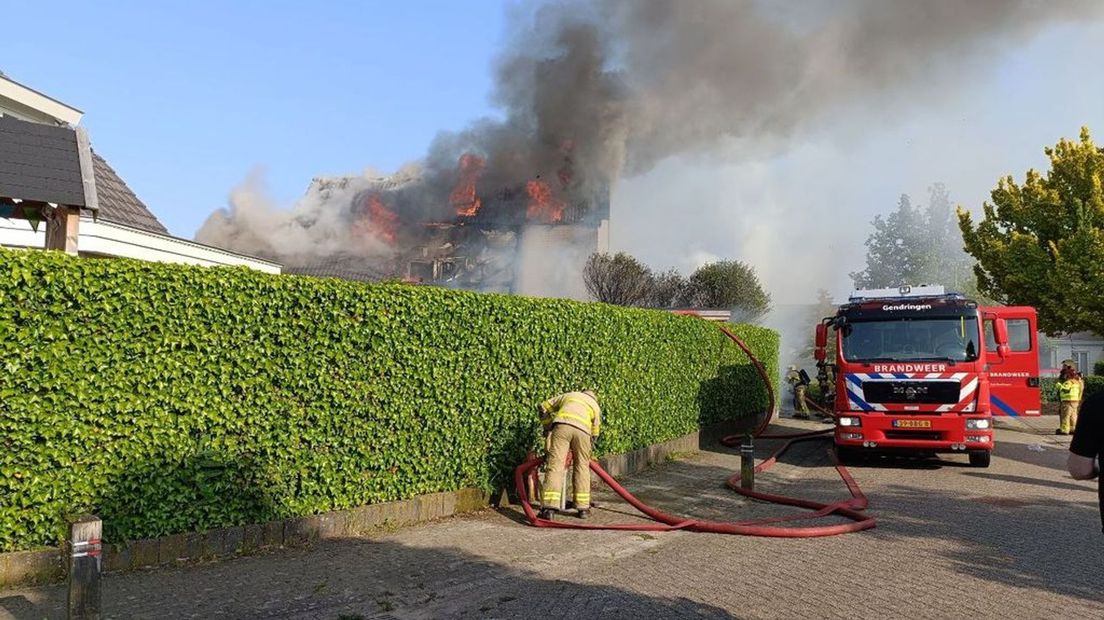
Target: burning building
530,239
585,92
514,204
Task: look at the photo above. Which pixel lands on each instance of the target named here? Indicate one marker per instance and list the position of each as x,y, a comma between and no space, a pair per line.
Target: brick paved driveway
1017,540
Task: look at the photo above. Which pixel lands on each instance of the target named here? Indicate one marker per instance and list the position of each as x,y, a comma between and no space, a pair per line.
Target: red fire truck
920,371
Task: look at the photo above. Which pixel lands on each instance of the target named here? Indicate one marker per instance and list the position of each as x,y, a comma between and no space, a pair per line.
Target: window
1081,358
935,338
1019,335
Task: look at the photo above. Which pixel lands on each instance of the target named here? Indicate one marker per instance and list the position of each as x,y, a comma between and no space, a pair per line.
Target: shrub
169,398
1093,384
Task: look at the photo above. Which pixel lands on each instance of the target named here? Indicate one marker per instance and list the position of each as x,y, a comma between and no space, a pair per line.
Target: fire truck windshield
951,338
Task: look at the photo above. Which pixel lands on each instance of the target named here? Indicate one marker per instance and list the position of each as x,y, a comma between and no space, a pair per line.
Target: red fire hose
849,508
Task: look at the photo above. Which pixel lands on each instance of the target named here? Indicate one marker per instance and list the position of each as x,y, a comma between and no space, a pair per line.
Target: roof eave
30,98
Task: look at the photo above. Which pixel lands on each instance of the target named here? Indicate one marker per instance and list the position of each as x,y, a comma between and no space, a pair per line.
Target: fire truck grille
912,392
925,435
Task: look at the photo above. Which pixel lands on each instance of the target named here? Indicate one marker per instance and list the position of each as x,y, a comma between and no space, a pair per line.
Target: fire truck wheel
980,459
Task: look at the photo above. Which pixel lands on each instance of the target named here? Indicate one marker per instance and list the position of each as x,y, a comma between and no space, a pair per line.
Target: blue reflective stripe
901,375
861,404
854,389
1003,406
858,401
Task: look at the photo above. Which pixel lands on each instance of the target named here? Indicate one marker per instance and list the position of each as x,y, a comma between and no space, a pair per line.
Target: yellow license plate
912,423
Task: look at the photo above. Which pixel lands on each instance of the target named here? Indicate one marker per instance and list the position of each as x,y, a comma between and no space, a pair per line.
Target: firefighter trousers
799,399
1067,415
563,439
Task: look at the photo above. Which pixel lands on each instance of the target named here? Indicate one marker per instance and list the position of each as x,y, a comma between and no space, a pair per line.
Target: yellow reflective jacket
574,408
1070,389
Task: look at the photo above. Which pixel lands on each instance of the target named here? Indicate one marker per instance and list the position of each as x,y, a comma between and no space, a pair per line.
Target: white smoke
645,94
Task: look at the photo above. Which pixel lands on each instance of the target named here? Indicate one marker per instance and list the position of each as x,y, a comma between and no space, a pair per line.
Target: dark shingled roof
343,266
118,203
40,163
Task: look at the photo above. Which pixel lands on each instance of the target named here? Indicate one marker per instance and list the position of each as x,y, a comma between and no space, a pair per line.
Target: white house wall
1070,346
19,234
109,239
551,259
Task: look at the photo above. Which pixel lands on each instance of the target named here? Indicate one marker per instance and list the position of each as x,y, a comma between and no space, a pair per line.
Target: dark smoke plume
594,90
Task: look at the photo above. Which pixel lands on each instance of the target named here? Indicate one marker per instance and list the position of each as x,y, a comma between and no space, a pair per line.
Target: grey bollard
85,548
747,463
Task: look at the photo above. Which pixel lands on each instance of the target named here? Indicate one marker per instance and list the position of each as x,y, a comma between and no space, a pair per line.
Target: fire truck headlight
978,423
850,421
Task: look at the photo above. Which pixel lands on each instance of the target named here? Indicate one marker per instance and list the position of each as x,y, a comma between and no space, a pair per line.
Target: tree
895,250
618,279
729,284
1042,243
824,307
667,289
945,259
917,246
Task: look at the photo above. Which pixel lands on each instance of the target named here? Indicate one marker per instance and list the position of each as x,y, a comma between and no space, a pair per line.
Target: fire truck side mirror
821,342
1000,334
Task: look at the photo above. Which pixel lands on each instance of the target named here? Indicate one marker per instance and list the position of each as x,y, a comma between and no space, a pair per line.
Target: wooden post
62,229
85,555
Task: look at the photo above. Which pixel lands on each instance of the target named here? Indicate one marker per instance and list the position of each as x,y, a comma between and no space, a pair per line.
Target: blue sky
186,99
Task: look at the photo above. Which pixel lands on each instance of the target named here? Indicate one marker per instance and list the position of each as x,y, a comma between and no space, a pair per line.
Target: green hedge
1048,385
168,398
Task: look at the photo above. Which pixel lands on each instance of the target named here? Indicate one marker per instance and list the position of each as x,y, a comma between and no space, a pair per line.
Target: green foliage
1098,368
617,279
666,289
1048,385
1041,243
622,280
894,251
168,398
917,246
729,284
823,308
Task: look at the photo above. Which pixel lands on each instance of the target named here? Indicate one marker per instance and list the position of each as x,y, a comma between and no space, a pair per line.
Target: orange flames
543,206
463,197
377,220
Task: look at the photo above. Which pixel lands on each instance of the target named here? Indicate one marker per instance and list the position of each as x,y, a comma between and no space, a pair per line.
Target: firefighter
1070,388
571,422
799,384
826,380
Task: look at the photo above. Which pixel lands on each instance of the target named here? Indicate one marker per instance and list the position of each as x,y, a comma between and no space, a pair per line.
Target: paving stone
1017,540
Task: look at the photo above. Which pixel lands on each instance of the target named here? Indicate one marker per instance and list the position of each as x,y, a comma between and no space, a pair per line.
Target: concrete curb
632,462
47,565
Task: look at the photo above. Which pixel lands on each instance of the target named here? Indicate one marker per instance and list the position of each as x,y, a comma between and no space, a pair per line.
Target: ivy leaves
169,398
